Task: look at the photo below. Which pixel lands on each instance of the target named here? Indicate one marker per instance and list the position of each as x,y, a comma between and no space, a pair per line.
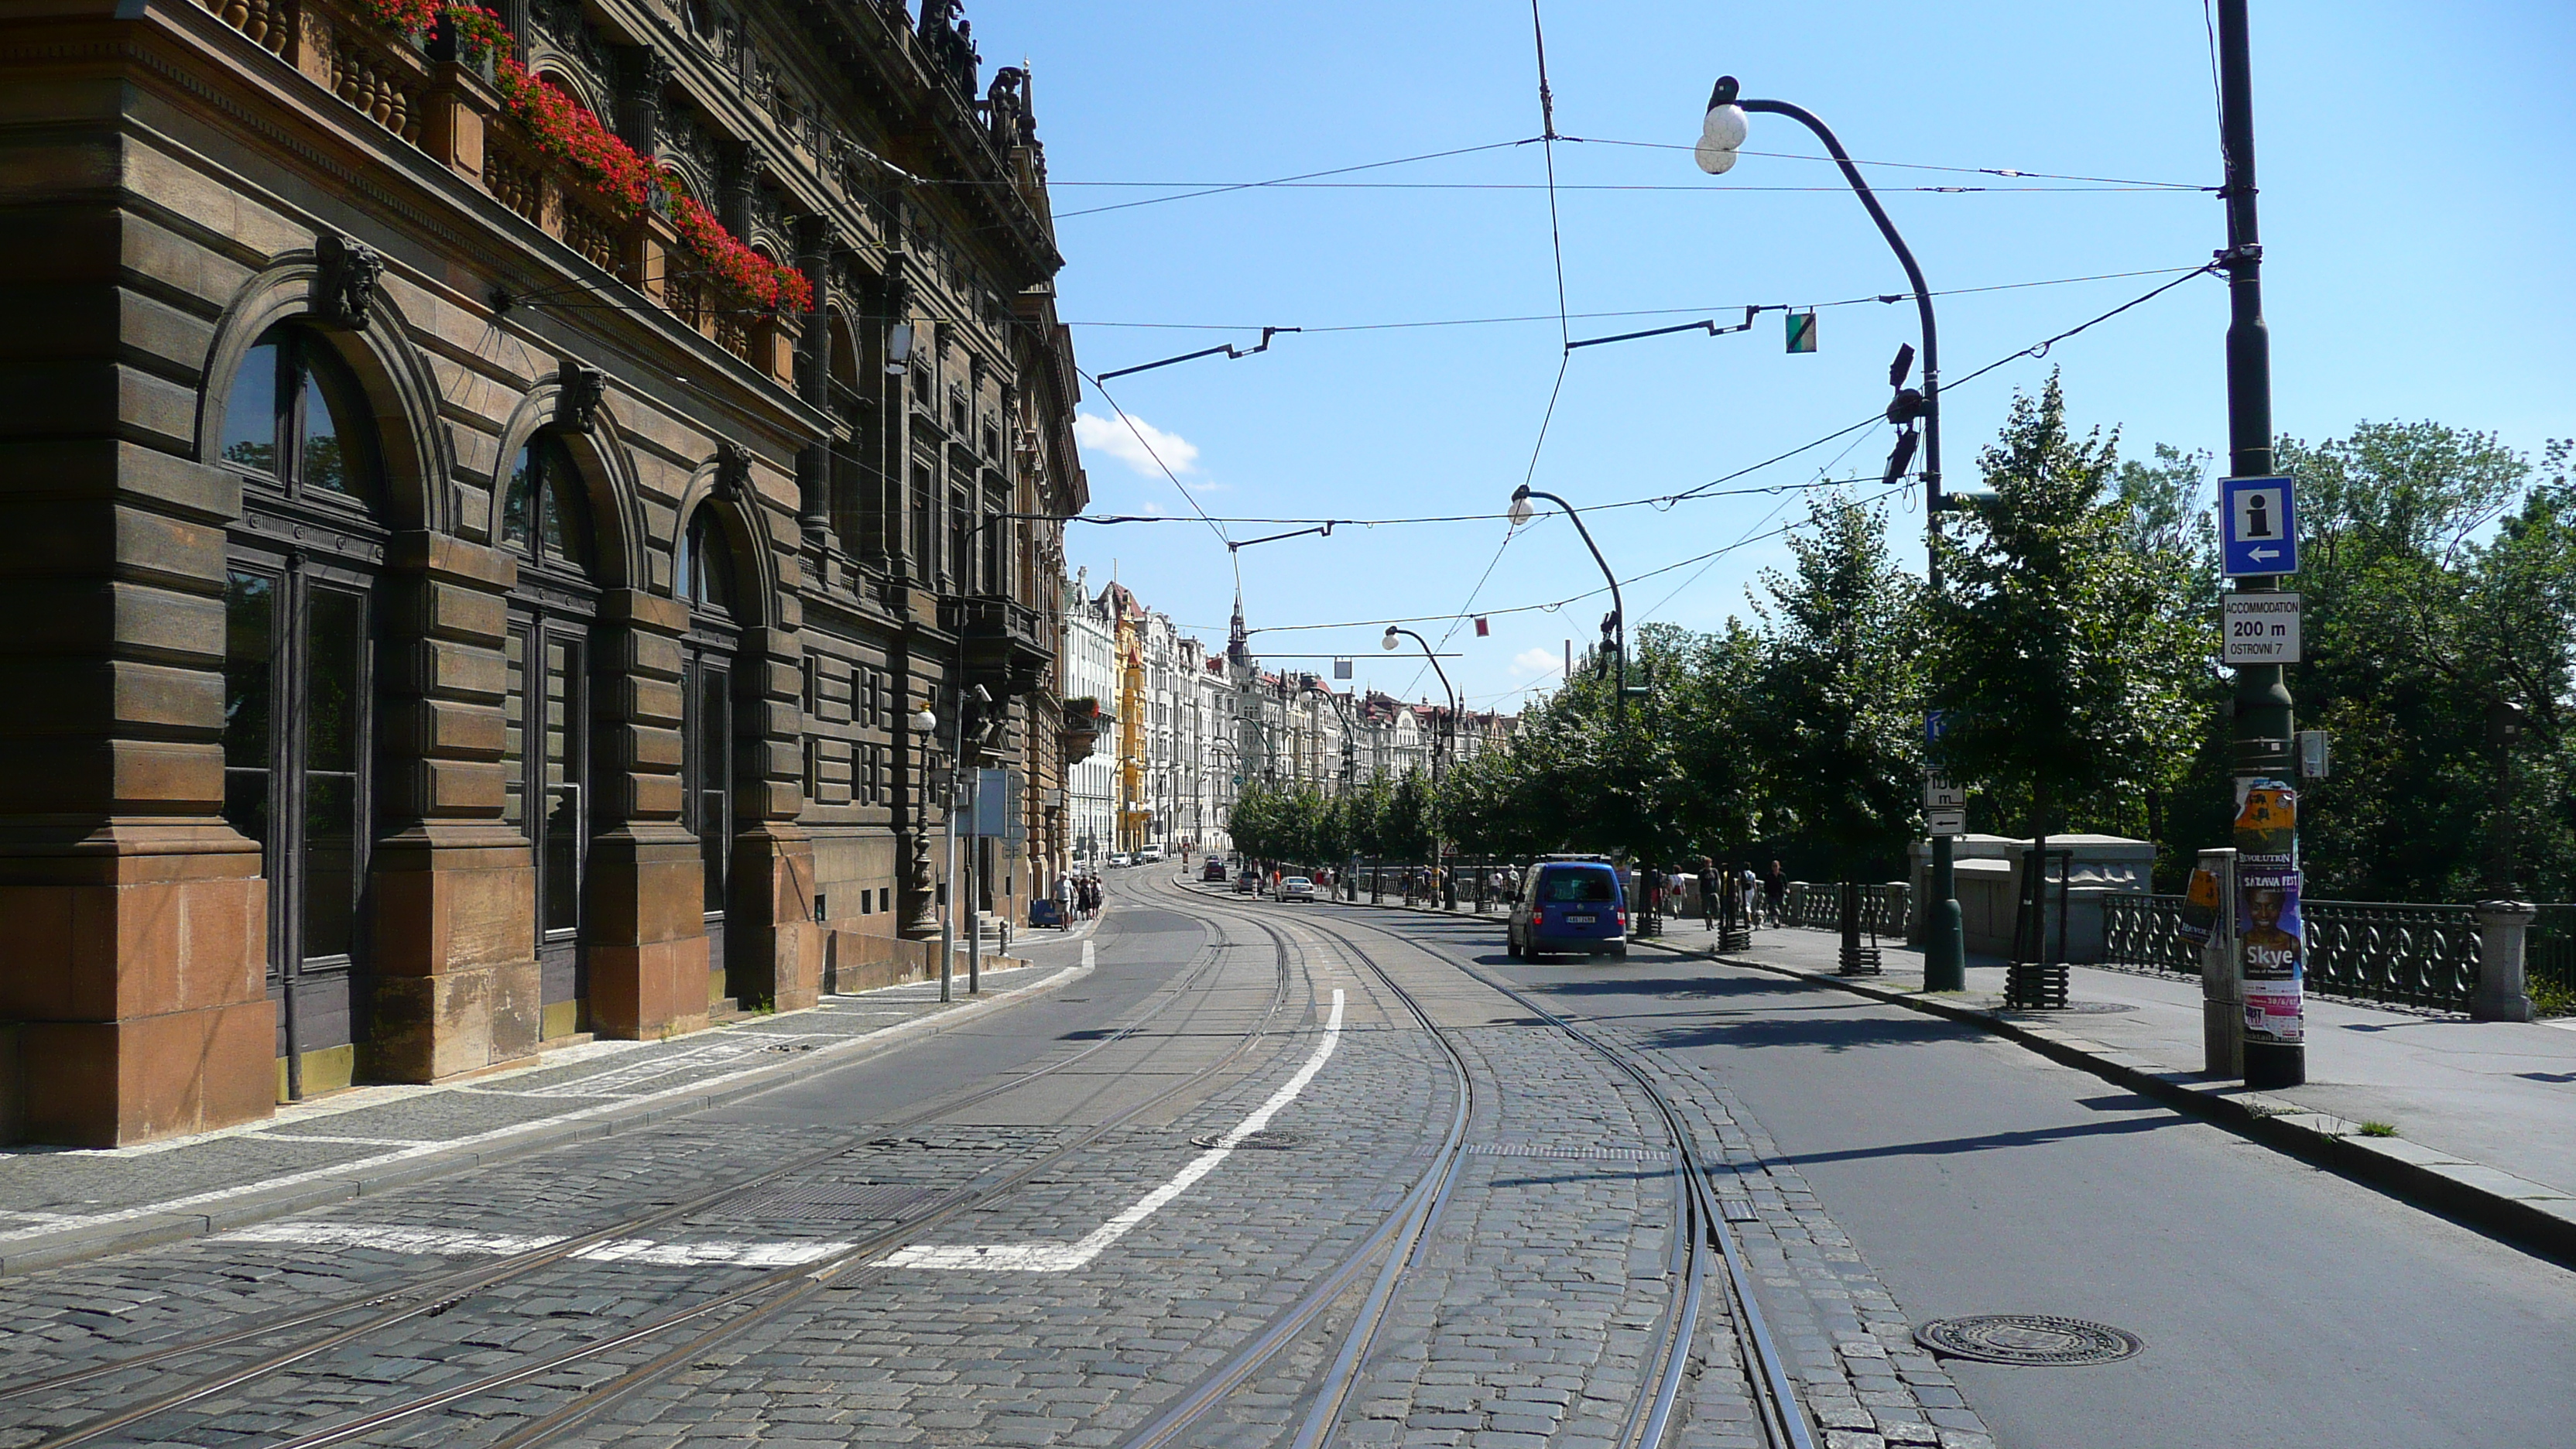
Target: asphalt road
2280,1305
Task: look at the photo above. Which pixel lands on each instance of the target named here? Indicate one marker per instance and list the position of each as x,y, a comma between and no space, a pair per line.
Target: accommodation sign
2259,628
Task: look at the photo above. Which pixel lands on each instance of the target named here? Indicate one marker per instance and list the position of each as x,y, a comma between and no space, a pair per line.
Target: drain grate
2036,1339
831,1202
1584,1154
1265,1140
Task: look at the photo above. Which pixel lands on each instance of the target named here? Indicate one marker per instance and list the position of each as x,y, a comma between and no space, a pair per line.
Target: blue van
1569,905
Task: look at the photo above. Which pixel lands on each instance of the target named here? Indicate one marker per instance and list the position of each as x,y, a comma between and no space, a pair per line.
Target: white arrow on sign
2262,553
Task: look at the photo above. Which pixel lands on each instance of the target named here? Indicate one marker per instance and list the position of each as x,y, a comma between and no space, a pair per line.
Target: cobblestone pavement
336,1146
1531,1315
1849,1346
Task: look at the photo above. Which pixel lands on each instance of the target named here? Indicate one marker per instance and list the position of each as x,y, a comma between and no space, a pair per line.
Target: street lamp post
1614,628
925,724
1449,889
1945,961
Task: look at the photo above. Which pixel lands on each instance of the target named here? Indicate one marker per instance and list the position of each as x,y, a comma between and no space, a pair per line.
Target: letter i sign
2258,526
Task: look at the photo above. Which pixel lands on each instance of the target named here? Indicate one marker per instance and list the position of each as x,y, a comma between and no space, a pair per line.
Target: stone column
775,946
133,920
648,935
457,987
2503,926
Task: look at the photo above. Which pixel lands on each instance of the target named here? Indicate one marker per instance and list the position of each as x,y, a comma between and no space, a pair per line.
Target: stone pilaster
133,922
456,980
772,938
647,928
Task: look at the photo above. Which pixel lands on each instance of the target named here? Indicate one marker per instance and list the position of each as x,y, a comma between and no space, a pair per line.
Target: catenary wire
2039,349
1889,298
2013,172
1221,188
1564,332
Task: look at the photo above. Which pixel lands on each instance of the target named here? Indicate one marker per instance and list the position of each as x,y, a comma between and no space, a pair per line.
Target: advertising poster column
2270,943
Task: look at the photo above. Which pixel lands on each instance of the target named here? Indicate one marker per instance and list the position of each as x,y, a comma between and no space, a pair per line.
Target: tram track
757,1301
1699,1226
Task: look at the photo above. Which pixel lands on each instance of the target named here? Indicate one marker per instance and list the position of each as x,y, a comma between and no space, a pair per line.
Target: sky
2418,229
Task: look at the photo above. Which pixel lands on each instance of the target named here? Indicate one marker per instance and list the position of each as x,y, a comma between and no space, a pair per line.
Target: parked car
1121,860
1570,906
1297,888
1247,884
1150,855
1214,870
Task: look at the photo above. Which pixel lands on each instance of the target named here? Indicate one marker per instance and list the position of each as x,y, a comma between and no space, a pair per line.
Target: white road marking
1043,1257
346,1141
456,1242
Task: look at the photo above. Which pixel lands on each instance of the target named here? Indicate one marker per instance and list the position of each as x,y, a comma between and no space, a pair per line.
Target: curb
76,1245
2532,1216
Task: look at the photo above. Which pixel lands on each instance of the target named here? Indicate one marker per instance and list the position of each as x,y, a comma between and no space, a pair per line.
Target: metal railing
2423,955
2146,932
2392,951
1817,905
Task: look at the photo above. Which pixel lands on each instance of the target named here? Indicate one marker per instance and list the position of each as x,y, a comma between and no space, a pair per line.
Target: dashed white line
1044,1257
457,1242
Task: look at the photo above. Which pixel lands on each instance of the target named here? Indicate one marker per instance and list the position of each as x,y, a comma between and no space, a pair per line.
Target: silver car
1297,888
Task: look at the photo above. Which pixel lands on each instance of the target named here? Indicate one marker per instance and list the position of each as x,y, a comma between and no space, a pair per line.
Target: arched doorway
704,572
546,754
300,682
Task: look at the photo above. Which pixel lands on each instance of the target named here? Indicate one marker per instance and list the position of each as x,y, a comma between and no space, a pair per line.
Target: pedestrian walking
1775,891
1709,886
1068,900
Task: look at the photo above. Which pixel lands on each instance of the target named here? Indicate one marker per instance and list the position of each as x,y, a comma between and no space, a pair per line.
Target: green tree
1838,689
2067,676
2440,588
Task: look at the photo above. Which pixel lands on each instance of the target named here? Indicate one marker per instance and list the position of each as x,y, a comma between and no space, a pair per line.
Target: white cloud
1535,661
1137,447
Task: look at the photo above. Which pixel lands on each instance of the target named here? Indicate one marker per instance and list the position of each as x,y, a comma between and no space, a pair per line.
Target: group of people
1078,897
1726,892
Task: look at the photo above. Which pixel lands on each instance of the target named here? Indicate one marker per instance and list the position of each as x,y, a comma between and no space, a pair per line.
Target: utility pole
2264,727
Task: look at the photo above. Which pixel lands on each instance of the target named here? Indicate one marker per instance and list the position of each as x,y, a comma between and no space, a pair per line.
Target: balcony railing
450,110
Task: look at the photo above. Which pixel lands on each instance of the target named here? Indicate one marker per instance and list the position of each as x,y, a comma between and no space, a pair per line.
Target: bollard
2502,993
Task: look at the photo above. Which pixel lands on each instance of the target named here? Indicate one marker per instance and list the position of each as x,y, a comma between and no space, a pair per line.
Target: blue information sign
2258,526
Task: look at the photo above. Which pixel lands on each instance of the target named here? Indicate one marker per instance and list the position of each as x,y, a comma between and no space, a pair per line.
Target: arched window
296,417
704,567
301,628
545,517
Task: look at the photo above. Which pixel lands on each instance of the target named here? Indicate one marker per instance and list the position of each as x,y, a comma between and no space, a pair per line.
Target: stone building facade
465,594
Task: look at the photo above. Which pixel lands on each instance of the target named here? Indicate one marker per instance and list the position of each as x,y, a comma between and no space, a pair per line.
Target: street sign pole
2277,1055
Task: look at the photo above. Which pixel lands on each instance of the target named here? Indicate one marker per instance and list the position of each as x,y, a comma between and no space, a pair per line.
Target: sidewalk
60,1205
2484,1112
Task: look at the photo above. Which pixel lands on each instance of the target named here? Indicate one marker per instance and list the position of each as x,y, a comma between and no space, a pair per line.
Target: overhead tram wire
1886,298
1711,489
2008,172
1564,330
1553,605
1142,442
1223,188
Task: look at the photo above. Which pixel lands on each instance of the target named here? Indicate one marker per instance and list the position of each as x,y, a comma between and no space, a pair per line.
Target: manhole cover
2028,1338
1265,1140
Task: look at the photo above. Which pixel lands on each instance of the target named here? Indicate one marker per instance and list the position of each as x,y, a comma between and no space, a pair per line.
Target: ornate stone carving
733,471
344,291
581,391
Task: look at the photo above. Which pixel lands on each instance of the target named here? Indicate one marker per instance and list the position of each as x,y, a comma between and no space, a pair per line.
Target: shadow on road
1992,1141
